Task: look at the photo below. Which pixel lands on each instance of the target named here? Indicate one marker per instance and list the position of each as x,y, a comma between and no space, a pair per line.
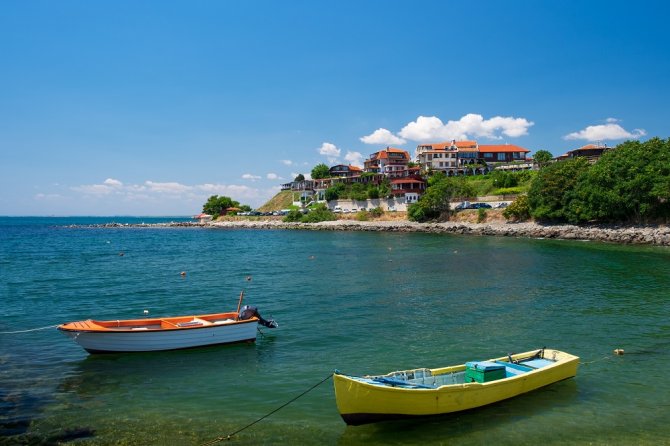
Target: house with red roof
590,151
502,153
390,162
342,170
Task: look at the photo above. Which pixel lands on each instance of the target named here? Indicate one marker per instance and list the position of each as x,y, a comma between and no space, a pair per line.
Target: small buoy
455,251
248,278
146,312
183,273
312,257
618,351
121,254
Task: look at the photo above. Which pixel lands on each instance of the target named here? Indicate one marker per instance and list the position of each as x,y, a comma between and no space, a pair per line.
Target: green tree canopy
299,177
217,206
320,171
554,187
543,157
630,183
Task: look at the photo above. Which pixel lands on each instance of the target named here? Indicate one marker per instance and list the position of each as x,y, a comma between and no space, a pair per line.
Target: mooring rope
596,360
26,331
229,436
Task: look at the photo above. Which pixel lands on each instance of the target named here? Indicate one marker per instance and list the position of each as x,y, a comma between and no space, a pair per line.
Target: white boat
167,333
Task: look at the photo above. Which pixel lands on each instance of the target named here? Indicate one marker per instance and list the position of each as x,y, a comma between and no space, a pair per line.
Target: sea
358,302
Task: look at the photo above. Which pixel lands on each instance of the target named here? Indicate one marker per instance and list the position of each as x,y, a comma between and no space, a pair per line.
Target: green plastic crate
483,371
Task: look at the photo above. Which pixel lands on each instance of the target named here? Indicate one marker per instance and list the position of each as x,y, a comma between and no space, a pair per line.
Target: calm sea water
358,302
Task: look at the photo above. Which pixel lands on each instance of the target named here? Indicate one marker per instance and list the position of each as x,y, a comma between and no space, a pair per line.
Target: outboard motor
248,312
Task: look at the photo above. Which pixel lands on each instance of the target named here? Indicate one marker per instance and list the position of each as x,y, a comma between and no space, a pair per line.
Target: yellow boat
423,392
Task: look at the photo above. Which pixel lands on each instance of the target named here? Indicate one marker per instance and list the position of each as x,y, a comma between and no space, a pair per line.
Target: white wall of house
385,204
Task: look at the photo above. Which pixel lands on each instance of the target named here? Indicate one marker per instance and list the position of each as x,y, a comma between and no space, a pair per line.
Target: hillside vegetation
283,200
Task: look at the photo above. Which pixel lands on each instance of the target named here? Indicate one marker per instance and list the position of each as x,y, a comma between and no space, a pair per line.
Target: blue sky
147,108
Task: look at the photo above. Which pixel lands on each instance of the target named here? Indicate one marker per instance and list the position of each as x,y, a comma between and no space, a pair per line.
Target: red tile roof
497,148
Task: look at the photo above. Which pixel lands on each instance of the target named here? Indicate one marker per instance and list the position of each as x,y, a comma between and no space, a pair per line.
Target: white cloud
354,158
248,176
607,131
112,182
382,136
330,151
167,188
146,198
287,162
273,176
431,128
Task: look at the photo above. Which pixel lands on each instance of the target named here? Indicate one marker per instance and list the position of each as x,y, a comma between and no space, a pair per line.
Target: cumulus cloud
112,182
431,128
273,176
382,136
604,132
354,158
287,162
248,176
167,188
330,151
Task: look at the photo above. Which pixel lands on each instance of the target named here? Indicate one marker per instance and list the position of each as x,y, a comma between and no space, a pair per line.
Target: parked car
337,209
480,205
463,205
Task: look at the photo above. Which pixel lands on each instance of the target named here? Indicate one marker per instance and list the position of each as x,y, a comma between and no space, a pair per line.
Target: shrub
519,210
376,212
362,216
319,213
481,215
293,215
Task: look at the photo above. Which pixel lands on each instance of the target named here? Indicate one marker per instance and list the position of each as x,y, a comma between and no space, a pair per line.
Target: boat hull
360,402
146,335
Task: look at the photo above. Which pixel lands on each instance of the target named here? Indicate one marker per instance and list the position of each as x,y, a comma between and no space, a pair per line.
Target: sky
148,108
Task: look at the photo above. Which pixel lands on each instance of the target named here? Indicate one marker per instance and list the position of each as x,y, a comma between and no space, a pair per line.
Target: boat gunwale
569,358
135,330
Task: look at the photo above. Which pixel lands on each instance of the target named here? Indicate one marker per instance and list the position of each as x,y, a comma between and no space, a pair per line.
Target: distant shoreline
620,234
640,235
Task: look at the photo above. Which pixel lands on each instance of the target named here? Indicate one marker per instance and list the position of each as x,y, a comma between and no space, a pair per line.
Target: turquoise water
358,302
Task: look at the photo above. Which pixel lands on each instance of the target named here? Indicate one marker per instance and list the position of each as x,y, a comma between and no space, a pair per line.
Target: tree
543,157
630,183
435,201
553,189
216,206
320,171
300,177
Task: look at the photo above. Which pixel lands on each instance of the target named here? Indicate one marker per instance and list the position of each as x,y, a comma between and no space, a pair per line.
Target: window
488,155
501,157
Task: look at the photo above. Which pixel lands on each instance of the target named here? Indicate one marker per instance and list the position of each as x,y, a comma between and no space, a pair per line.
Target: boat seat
225,321
537,363
519,367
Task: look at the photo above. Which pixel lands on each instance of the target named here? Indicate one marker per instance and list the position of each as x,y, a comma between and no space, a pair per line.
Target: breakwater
650,235
640,235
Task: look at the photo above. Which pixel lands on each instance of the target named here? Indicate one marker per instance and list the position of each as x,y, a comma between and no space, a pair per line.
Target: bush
377,212
319,213
362,216
519,210
293,216
481,215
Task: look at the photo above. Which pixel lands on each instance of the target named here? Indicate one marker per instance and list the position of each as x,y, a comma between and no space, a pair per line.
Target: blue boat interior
425,379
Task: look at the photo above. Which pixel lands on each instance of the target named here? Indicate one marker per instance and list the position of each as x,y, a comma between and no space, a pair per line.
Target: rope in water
228,437
596,360
26,331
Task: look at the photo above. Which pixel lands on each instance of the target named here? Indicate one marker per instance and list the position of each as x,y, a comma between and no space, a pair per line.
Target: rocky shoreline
640,235
648,235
